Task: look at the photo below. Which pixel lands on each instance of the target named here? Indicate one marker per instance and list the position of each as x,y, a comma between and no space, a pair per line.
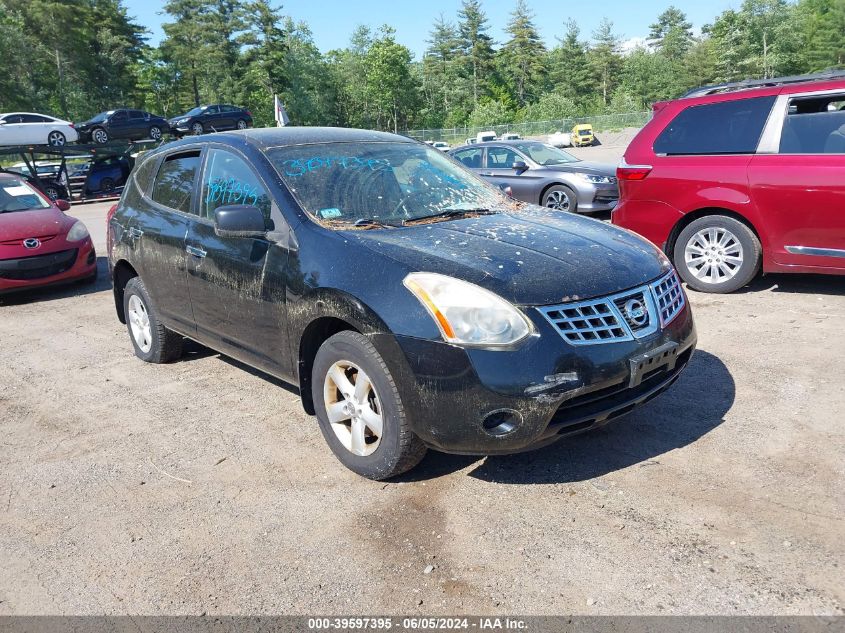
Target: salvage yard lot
202,487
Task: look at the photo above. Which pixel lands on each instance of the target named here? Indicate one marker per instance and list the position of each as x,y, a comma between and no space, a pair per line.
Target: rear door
211,119
159,235
798,180
138,124
237,285
118,125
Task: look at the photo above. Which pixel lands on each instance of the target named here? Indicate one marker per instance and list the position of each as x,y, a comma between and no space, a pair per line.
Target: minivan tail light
111,213
632,172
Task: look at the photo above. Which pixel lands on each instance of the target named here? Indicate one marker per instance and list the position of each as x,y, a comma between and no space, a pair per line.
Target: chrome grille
669,297
614,318
587,322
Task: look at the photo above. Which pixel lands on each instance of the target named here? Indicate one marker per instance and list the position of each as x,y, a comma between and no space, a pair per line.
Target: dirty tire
166,345
751,253
560,198
399,449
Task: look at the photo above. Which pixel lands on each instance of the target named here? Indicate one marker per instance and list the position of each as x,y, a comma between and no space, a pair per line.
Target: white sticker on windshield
18,190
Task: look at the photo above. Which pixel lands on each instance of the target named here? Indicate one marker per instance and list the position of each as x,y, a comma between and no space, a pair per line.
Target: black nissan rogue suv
412,303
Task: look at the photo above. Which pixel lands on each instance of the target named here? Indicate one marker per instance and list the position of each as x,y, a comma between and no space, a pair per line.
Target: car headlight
599,180
77,232
467,314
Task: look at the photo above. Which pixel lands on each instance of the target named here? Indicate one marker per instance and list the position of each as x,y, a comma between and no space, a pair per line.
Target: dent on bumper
553,389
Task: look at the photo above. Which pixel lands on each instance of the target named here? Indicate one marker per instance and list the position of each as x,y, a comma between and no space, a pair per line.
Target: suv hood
599,169
20,225
528,257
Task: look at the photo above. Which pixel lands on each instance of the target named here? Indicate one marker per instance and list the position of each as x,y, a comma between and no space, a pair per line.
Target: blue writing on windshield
296,167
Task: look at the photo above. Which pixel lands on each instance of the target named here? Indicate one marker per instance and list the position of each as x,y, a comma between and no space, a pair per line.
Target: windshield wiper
372,223
448,214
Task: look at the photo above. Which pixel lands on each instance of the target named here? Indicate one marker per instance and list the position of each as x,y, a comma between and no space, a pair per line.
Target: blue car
107,175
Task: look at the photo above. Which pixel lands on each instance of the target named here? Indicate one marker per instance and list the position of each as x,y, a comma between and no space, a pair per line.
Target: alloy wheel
139,324
714,255
56,139
558,200
241,124
155,133
353,408
197,129
100,136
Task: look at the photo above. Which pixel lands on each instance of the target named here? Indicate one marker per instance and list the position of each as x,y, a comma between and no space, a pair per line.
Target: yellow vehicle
582,135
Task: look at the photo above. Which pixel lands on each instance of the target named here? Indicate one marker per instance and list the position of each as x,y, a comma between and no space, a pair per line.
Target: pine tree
671,35
523,56
476,45
569,73
604,59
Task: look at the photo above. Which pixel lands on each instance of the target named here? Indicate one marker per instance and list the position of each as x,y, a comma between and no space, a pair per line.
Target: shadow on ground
691,408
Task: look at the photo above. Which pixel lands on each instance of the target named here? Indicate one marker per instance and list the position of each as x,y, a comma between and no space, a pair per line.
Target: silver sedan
542,174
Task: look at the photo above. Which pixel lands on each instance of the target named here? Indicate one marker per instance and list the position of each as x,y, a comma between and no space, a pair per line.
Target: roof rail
760,83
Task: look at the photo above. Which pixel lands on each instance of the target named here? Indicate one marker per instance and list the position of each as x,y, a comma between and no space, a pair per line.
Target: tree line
73,58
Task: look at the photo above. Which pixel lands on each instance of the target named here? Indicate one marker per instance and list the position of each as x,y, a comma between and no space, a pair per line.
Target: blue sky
332,21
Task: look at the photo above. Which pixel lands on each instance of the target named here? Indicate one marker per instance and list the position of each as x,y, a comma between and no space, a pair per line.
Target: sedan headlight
599,180
467,314
77,232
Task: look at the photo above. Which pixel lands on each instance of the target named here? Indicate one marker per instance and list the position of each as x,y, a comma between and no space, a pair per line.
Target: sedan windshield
546,155
382,183
17,195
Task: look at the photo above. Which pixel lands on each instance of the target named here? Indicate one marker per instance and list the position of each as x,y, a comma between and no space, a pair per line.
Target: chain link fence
600,123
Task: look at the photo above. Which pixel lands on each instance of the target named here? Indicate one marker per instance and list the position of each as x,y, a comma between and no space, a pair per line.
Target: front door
237,285
159,233
800,190
500,170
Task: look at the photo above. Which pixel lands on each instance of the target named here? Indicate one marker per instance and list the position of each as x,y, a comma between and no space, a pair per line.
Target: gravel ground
202,487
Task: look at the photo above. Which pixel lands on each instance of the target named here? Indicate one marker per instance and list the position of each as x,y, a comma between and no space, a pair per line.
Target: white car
29,128
442,146
510,136
560,139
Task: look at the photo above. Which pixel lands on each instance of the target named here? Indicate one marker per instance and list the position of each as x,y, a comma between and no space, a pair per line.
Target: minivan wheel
560,198
359,410
99,135
717,254
153,342
197,129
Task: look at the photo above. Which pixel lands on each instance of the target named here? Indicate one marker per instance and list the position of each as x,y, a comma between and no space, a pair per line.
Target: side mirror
63,205
239,220
519,166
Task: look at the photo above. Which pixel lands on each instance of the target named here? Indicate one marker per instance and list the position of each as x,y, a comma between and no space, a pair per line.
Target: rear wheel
52,192
107,185
359,410
56,139
241,124
152,342
100,136
560,198
717,254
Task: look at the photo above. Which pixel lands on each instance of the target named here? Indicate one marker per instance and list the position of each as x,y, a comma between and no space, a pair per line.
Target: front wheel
152,342
100,136
155,133
197,129
717,254
359,410
560,198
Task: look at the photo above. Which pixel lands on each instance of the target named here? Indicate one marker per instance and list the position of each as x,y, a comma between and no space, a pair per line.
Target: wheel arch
122,272
689,218
313,336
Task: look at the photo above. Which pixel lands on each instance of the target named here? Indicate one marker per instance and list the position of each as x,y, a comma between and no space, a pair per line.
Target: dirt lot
201,487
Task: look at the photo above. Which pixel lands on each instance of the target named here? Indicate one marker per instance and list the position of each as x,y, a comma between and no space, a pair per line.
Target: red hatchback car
734,178
39,244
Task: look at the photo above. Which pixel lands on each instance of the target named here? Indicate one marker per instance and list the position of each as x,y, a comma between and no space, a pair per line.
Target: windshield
387,182
99,118
17,195
546,154
195,111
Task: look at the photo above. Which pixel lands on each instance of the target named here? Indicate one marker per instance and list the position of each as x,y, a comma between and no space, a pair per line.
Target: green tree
604,59
490,112
552,106
392,93
523,57
569,72
476,46
671,35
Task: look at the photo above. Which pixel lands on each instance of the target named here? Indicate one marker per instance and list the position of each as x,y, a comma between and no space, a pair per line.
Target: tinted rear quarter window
727,127
174,182
814,126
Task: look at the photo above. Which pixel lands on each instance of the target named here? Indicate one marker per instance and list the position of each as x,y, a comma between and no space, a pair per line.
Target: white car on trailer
30,128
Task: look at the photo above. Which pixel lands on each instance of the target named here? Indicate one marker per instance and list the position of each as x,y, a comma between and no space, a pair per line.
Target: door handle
195,251
135,233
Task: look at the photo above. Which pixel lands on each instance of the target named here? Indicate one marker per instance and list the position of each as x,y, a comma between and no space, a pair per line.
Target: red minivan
734,178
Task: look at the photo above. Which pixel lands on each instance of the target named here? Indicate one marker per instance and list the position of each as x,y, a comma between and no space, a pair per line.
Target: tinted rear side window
729,127
174,183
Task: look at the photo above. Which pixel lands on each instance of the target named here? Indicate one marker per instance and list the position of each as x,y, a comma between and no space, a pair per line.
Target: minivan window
812,126
174,182
229,180
389,182
727,127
